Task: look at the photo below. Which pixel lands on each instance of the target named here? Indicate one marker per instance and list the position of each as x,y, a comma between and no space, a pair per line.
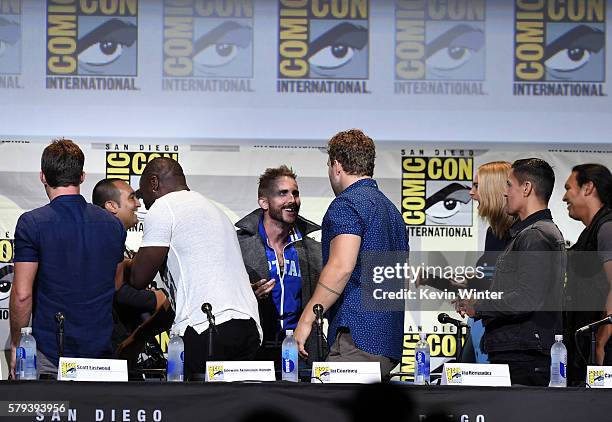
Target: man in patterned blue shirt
360,220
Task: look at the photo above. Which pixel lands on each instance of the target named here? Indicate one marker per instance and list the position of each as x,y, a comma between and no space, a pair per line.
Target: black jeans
237,339
526,368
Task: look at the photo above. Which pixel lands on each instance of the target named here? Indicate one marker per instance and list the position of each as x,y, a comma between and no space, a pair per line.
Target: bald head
161,176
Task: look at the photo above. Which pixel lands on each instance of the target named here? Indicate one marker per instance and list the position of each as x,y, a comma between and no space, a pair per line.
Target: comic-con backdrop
227,70
230,87
444,220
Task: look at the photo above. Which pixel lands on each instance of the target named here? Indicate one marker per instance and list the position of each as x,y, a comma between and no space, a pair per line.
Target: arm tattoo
329,289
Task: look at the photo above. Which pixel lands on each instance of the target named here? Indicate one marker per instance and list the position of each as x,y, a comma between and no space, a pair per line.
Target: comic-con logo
323,46
208,45
439,40
559,47
322,373
127,162
69,370
454,376
92,44
596,377
435,192
216,373
6,271
10,43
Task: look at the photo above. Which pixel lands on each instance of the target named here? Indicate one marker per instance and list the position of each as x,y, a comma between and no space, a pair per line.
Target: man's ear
111,206
337,167
263,203
154,183
42,178
527,188
589,188
82,177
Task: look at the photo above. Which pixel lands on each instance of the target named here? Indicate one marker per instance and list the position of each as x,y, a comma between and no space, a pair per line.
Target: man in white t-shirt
194,246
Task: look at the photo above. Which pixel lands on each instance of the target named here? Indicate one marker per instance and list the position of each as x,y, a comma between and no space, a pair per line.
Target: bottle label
422,363
288,365
183,357
562,370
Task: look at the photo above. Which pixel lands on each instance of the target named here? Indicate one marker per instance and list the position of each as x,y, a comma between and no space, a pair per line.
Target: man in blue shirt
67,254
359,221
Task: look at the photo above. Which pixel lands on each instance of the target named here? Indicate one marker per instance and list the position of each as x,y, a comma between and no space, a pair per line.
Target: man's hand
13,362
263,287
160,299
301,333
465,307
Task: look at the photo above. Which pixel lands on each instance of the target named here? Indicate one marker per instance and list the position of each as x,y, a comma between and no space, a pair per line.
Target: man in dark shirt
588,194
359,221
118,198
521,325
67,255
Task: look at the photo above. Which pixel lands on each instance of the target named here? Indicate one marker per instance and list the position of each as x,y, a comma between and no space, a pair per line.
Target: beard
278,214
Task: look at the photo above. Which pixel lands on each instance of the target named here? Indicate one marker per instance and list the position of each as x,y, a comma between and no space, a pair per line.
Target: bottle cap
558,337
26,330
289,333
174,331
423,336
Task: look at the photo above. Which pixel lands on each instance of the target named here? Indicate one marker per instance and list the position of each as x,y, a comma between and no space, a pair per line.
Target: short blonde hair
491,186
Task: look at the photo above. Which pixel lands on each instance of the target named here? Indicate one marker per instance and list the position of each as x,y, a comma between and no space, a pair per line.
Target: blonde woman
488,191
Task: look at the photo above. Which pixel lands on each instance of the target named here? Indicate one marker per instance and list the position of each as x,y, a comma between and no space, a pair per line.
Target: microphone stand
59,318
318,311
459,348
593,347
207,309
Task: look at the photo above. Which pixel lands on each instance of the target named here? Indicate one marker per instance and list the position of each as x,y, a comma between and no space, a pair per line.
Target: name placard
490,375
599,376
345,372
81,369
229,371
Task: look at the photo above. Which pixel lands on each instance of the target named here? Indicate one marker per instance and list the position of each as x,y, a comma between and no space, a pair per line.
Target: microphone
592,326
318,311
443,318
59,318
207,309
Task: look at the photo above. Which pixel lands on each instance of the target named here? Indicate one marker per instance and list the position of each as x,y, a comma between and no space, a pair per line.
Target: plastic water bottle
26,356
558,363
421,361
290,358
176,357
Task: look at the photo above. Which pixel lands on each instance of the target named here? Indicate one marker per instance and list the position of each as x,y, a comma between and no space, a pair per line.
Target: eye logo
107,48
323,40
10,44
224,48
338,52
561,47
440,41
6,281
445,205
435,191
576,53
92,39
458,53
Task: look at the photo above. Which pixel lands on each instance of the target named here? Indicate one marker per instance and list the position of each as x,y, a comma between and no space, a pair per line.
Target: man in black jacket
283,263
588,297
521,325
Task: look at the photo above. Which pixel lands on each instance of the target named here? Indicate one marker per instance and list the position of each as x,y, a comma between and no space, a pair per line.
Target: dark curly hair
354,150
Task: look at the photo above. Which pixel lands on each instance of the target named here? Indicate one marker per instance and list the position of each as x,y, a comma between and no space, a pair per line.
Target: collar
520,225
69,198
367,182
294,234
603,211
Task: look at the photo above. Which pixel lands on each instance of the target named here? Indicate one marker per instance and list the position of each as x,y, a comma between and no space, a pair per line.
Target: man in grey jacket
283,263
